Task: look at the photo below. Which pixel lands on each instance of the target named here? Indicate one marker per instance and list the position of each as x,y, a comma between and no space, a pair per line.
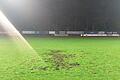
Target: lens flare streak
11,30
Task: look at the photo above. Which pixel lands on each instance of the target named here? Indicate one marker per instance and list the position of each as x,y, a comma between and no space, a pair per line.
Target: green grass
65,58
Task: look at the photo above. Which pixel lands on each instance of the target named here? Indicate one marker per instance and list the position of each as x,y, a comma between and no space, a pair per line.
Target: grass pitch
65,58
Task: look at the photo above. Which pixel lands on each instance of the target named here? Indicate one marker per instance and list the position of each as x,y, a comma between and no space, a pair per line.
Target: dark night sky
88,15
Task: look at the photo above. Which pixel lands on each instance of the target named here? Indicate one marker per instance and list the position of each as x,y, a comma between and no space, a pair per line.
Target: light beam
11,30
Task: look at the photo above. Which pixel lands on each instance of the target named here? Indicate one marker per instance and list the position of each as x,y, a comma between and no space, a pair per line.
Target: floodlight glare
13,33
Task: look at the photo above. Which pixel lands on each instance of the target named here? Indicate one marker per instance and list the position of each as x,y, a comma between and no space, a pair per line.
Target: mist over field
82,15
